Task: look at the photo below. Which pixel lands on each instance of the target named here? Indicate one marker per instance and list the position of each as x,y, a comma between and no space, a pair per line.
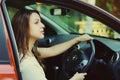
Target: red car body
7,71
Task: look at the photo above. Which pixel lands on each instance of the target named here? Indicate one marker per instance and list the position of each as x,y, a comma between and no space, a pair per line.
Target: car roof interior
18,3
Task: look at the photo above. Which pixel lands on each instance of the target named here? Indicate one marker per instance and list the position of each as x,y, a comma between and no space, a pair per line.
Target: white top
30,69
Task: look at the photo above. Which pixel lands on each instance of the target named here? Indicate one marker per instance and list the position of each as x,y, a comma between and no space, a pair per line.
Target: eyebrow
38,19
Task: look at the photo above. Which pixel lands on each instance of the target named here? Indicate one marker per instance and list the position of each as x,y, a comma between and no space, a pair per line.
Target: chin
41,37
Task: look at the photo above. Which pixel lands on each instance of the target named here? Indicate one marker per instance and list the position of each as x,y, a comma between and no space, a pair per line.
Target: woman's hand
84,38
78,76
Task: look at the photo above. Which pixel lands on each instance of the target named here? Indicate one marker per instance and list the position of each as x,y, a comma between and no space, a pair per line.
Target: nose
42,25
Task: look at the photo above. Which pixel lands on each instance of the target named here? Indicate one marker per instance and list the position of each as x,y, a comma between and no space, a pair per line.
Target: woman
27,27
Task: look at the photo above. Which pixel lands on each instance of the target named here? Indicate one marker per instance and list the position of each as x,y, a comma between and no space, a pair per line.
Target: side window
4,56
11,12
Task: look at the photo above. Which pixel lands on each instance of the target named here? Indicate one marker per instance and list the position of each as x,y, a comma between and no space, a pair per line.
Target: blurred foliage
112,6
11,12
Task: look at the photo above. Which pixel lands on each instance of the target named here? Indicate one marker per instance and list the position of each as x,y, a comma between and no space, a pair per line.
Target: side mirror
58,11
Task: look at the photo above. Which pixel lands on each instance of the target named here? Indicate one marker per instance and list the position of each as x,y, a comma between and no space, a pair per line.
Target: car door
9,67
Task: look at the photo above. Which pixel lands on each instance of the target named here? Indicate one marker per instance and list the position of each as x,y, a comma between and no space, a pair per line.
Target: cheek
36,34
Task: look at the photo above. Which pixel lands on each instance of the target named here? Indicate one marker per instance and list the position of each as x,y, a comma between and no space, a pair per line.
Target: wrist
77,39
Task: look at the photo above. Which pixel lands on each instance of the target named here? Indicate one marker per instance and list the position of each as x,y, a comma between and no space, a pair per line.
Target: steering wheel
78,58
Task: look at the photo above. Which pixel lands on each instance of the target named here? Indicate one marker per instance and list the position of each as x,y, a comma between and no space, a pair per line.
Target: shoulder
29,62
31,70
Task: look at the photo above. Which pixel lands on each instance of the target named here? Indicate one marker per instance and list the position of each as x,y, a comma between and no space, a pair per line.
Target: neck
31,44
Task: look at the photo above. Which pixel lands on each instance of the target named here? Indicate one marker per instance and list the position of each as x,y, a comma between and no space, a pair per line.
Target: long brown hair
20,24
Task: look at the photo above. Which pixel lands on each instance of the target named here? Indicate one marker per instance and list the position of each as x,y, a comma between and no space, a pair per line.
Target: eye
36,22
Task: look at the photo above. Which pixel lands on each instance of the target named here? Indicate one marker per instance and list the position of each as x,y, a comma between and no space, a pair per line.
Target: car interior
98,57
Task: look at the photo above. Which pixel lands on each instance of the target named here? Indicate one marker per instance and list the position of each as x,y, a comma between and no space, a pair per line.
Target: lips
42,31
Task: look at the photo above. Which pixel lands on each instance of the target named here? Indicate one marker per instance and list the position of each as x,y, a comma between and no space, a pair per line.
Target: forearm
60,48
57,49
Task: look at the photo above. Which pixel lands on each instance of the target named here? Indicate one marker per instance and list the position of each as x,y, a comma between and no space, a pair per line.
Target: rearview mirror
58,11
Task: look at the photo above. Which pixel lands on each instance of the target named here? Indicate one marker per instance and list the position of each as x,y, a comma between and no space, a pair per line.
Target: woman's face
36,26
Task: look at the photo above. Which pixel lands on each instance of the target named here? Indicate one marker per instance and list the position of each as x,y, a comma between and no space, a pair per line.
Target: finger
84,74
88,36
81,73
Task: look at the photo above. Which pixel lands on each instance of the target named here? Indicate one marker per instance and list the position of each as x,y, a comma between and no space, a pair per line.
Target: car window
111,6
75,22
72,21
11,11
